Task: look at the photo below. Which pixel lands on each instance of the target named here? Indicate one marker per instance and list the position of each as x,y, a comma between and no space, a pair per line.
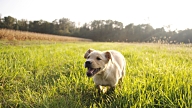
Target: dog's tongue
90,72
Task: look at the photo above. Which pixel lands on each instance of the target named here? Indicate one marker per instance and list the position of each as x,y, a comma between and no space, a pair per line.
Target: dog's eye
98,58
88,57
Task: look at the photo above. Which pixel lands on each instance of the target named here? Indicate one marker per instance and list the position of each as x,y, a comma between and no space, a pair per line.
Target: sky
158,13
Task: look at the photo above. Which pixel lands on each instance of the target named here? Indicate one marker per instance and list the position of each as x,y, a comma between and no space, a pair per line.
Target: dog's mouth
92,71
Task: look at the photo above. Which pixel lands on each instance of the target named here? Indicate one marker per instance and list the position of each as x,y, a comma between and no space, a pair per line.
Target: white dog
106,68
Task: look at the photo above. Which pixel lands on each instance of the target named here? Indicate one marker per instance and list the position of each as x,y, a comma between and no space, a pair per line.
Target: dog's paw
104,89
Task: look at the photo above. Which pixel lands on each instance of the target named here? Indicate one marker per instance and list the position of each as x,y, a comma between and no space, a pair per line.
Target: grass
53,75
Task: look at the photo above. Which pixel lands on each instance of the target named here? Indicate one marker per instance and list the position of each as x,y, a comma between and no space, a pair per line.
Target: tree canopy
100,30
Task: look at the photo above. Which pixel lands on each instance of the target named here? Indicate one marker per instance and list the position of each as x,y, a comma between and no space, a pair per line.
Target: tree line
100,30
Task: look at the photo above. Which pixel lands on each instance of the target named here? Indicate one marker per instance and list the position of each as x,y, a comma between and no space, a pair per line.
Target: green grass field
53,76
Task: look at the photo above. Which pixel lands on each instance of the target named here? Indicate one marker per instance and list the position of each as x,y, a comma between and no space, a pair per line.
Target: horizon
156,13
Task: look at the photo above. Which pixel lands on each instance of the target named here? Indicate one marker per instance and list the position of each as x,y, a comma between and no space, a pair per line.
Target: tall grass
54,76
13,35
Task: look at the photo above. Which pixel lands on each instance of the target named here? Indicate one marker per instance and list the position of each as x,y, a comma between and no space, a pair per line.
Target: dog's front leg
101,89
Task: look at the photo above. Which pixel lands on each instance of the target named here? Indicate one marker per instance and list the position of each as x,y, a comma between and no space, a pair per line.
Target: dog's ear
108,55
88,52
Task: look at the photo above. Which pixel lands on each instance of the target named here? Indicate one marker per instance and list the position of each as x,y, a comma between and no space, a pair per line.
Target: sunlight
159,13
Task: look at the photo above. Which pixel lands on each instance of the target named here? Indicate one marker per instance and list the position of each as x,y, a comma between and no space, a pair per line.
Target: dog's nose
87,64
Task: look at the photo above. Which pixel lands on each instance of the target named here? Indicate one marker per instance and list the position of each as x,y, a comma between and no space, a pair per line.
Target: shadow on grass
89,98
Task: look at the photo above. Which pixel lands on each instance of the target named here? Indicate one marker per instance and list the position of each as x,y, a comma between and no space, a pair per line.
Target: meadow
53,76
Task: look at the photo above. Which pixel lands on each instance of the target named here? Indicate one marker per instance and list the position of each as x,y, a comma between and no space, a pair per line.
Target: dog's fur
106,68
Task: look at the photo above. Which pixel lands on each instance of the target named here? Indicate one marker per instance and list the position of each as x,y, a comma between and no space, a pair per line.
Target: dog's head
96,61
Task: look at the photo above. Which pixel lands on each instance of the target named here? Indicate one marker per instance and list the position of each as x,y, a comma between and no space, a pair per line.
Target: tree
184,36
66,27
34,26
23,25
9,22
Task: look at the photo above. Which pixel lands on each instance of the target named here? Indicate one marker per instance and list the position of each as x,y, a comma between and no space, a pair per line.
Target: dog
106,67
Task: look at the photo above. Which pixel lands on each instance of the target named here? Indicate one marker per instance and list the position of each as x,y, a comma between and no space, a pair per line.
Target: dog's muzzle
91,71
